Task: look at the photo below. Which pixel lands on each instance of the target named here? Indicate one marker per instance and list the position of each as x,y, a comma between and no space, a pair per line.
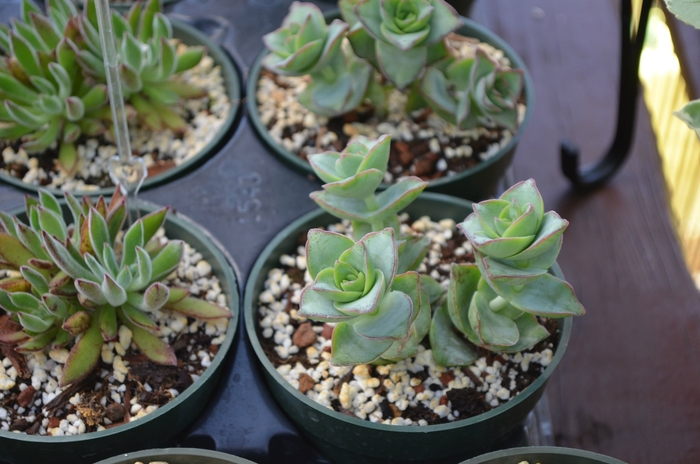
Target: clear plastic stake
127,171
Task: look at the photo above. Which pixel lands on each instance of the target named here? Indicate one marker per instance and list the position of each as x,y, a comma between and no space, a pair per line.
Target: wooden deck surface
629,385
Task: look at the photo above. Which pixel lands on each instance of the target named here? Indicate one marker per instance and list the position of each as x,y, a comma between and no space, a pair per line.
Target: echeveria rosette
75,286
469,92
515,243
355,285
304,44
407,35
352,178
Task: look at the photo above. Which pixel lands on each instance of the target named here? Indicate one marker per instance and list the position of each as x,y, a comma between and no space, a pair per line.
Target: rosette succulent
495,302
305,45
46,100
355,285
76,284
401,37
469,92
150,62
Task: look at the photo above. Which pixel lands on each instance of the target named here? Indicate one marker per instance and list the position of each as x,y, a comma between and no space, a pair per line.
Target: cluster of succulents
76,283
384,308
404,40
52,80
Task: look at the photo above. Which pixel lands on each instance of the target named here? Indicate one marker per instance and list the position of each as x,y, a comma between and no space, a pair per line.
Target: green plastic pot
543,455
346,439
476,183
161,426
190,36
177,456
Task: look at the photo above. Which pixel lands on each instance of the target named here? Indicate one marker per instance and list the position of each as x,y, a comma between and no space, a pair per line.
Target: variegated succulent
495,301
369,287
45,98
474,91
401,37
305,45
77,283
150,62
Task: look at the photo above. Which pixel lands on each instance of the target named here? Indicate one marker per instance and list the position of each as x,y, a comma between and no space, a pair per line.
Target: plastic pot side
161,426
346,439
177,456
475,183
190,36
543,455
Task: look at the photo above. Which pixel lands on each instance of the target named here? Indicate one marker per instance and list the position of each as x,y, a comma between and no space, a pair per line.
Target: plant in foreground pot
543,455
88,305
398,67
54,97
408,331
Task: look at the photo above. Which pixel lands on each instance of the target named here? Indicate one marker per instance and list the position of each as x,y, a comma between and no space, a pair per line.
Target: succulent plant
355,284
305,45
78,282
352,178
150,62
367,285
401,37
469,92
45,97
495,302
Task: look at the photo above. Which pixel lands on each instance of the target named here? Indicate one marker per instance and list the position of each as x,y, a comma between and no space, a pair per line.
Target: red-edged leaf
108,323
198,308
84,355
151,346
77,323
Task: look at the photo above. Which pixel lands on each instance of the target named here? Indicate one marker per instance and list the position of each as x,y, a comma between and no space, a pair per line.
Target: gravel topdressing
125,386
160,151
415,391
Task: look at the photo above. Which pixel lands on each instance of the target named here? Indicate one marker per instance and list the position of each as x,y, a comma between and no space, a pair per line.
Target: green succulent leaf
319,308
449,348
189,59
323,248
16,91
36,279
390,321
12,251
137,317
37,342
167,260
491,328
25,54
113,293
349,347
46,30
91,290
24,116
77,323
197,308
151,346
108,323
33,323
64,259
84,355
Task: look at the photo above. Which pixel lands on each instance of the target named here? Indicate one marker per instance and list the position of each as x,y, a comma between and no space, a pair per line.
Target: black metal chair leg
588,178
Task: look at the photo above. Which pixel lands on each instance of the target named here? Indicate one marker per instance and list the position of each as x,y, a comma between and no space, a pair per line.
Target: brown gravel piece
19,424
304,336
327,331
54,422
447,377
306,383
115,412
26,396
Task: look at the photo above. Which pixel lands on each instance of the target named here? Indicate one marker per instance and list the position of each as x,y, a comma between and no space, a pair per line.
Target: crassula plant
384,308
74,284
405,42
53,84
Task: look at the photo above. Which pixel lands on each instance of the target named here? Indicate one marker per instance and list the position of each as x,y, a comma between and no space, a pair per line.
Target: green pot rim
169,453
249,310
232,83
470,29
534,452
229,273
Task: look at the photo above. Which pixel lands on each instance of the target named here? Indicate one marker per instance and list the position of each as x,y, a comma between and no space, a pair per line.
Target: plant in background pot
53,102
377,284
453,104
104,326
176,456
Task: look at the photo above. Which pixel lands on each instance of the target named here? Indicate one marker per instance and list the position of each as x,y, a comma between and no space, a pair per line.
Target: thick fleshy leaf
152,222
91,290
411,253
401,67
15,284
349,347
115,295
686,10
432,288
449,348
77,323
525,192
137,317
84,355
315,306
491,328
198,308
166,260
134,237
324,165
382,253
99,233
531,333
545,295
151,346
68,159
391,320
36,279
177,294
326,286
497,271
144,270
323,248
548,236
359,186
37,342
13,252
108,323
189,59
25,54
369,302
155,296
33,323
500,248
464,280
